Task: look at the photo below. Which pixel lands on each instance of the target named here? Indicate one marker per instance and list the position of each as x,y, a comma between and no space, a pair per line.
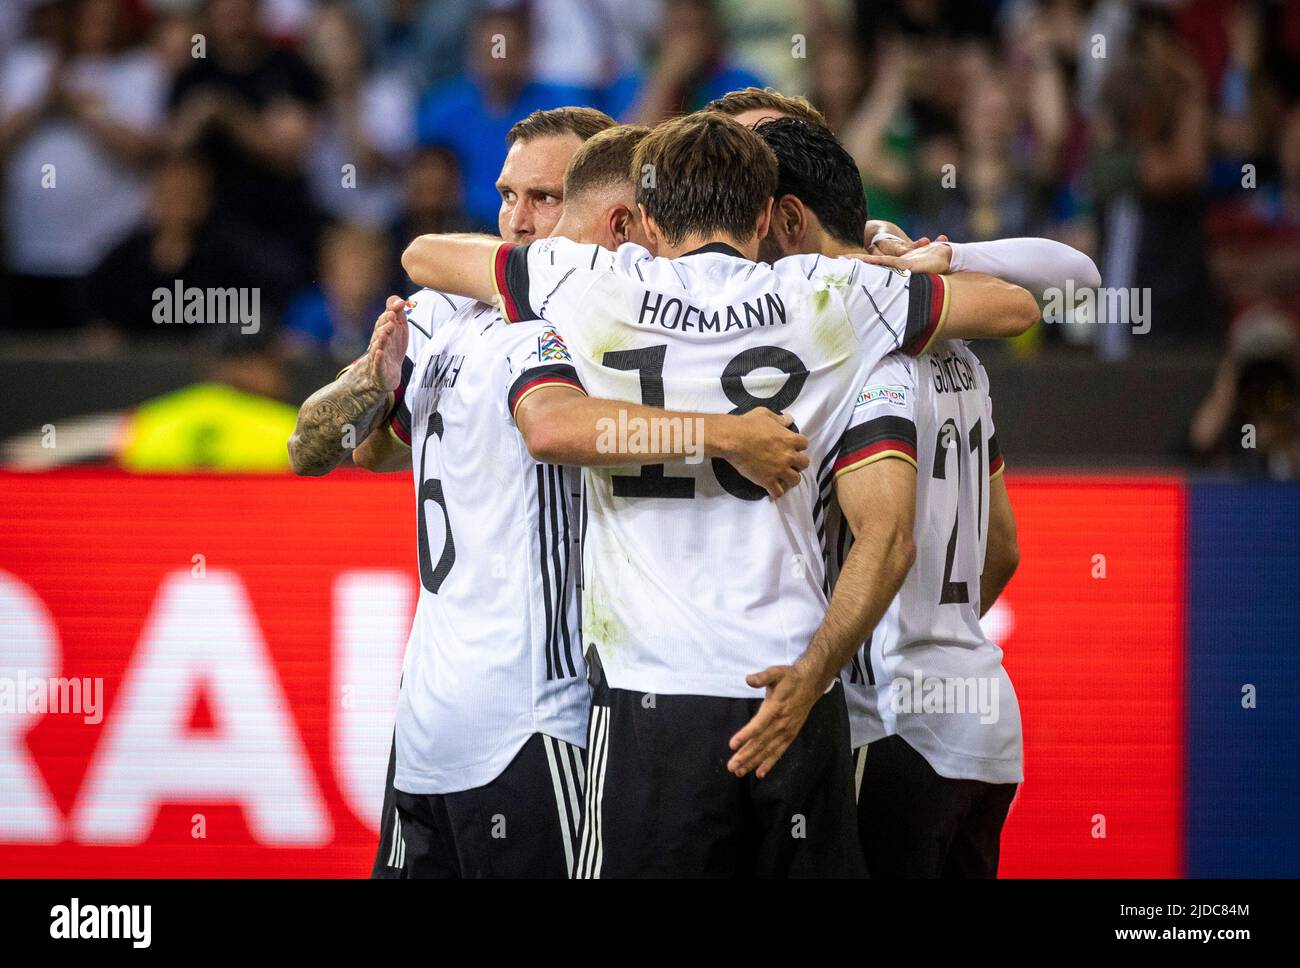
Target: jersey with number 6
693,577
929,673
494,654
426,312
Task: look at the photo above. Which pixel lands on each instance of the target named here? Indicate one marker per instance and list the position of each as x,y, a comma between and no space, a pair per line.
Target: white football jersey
426,312
494,654
929,673
693,577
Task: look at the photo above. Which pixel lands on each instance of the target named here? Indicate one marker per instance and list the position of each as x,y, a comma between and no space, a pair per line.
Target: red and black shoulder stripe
876,439
927,308
510,276
538,377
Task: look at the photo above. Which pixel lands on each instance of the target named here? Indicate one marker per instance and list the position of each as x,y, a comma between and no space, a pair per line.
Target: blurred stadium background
248,627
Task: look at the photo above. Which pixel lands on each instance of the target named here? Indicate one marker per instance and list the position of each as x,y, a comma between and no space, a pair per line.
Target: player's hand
383,360
935,257
791,695
896,246
767,450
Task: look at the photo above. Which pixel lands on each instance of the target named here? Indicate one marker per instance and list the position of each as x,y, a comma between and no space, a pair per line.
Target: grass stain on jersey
600,626
832,331
606,325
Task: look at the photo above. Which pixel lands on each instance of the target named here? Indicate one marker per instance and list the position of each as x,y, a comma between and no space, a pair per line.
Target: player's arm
383,451
1034,264
522,280
562,425
983,289
351,407
971,305
458,263
1002,555
878,500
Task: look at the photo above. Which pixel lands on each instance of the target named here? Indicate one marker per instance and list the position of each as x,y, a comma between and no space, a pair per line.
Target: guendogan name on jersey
674,313
951,374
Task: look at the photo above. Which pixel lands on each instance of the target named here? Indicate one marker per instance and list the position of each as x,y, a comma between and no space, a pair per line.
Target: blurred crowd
294,146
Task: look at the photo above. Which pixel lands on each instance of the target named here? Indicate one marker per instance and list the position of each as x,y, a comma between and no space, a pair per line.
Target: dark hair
814,168
605,159
707,174
764,98
583,122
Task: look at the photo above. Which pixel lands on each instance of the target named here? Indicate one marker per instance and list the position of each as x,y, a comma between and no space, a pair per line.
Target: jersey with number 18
693,577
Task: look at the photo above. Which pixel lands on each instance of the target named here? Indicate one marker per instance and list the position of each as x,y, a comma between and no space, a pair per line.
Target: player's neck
833,248
748,249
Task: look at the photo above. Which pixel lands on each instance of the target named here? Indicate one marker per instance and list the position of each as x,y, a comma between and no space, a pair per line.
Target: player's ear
651,230
789,223
764,221
618,221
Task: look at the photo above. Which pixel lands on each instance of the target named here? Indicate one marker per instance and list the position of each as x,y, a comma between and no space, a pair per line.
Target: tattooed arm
347,410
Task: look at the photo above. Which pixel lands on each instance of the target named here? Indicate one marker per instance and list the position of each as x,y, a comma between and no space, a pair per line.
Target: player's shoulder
836,272
427,309
535,342
511,336
629,255
956,347
473,324
565,253
896,366
795,267
891,385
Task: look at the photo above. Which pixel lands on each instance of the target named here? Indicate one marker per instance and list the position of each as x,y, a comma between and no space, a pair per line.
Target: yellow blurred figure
208,426
232,421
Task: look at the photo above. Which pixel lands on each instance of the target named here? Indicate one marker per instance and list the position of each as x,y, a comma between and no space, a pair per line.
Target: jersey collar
721,248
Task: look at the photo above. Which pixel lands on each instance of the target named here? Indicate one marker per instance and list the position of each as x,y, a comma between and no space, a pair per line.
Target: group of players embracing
709,505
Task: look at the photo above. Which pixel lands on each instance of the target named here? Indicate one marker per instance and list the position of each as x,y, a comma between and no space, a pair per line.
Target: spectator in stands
13,17
839,79
365,130
691,68
434,203
881,136
1250,421
336,315
1149,165
590,43
425,40
81,113
472,115
177,243
992,192
250,106
762,36
1256,234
